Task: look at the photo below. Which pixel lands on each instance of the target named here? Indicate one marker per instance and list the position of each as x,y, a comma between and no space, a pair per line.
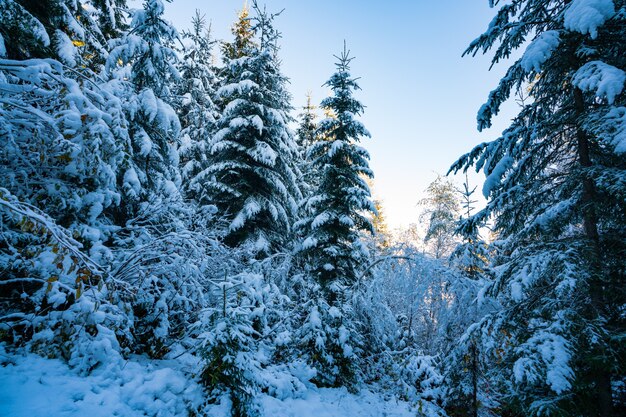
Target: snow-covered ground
32,386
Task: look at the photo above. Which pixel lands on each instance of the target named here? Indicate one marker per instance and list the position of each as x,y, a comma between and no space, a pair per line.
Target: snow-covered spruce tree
555,183
142,68
239,334
197,111
471,255
154,240
253,171
305,137
337,211
306,133
336,215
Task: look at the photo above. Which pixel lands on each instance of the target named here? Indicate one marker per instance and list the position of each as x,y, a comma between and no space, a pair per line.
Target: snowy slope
32,386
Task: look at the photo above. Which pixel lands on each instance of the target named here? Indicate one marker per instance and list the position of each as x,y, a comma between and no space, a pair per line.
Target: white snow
263,153
314,318
335,403
95,202
493,180
149,104
242,87
335,147
309,242
36,387
516,291
33,386
600,78
334,313
65,48
346,220
553,352
3,49
170,188
145,143
320,220
257,123
617,117
586,16
131,181
540,50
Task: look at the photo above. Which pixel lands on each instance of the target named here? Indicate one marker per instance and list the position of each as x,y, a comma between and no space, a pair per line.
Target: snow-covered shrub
419,376
231,342
62,144
327,339
57,299
168,263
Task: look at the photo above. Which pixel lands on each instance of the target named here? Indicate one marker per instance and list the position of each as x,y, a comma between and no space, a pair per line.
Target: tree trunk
474,353
599,374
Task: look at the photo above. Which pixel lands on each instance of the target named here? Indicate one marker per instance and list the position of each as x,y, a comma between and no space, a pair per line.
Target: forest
176,239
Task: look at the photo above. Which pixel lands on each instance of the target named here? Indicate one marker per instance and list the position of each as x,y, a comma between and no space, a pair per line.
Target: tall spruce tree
555,183
143,71
197,111
154,239
253,172
337,210
306,136
336,213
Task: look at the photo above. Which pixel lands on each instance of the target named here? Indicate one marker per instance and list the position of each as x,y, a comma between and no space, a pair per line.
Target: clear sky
421,97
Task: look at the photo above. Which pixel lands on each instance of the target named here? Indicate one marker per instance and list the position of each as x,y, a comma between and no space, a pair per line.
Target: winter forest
178,239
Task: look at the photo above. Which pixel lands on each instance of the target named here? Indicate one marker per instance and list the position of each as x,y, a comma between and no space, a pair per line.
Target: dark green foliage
336,212
552,179
252,167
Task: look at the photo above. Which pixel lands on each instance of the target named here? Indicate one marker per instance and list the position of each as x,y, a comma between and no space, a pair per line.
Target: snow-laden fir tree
229,344
241,332
197,111
253,165
306,133
154,240
148,49
142,67
471,255
555,184
337,210
336,214
305,137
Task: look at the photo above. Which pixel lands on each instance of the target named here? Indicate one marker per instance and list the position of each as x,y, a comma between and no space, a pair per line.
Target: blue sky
421,97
